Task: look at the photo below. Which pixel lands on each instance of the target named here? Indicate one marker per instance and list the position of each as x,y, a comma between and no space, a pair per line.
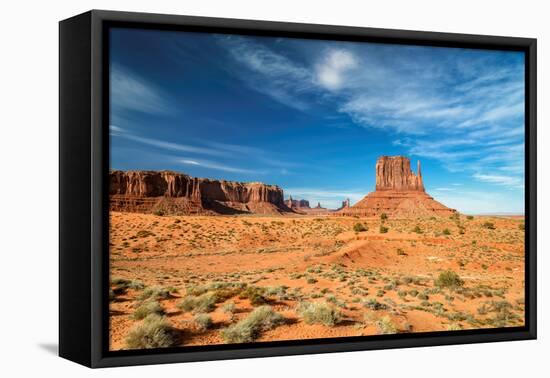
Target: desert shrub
228,308
278,291
359,227
448,279
470,217
417,229
385,326
154,332
489,225
311,280
247,330
454,327
156,292
127,284
446,232
203,321
521,226
383,216
383,229
196,290
255,294
147,308
203,303
400,252
159,212
319,313
413,293
373,304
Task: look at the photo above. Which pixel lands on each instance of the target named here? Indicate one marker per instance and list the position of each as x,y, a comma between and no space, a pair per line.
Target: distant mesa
398,192
167,192
300,204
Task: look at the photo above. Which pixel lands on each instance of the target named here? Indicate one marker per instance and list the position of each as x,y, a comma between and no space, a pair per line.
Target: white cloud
218,166
128,91
510,181
330,73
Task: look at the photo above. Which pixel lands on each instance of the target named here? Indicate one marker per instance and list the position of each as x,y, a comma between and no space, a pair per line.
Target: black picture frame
83,195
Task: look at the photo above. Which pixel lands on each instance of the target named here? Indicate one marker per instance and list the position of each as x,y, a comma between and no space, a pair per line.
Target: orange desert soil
380,282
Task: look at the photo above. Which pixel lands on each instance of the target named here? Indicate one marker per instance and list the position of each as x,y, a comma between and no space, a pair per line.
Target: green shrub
247,330
383,216
146,308
383,229
489,225
446,232
400,252
203,321
448,279
385,326
470,217
319,313
154,332
417,229
359,227
521,226
203,303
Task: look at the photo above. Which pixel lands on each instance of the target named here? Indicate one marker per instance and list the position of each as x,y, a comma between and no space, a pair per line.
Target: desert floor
204,275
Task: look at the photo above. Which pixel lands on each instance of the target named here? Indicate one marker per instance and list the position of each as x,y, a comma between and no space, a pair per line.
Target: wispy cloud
269,72
165,145
218,166
223,151
131,92
509,181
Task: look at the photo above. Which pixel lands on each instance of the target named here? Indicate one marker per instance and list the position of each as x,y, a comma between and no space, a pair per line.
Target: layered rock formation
398,192
394,173
292,203
170,192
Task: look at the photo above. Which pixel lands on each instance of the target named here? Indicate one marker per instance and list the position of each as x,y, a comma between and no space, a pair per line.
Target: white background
29,186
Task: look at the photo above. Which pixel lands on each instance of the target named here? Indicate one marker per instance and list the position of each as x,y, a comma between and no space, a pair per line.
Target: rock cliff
394,173
398,192
177,193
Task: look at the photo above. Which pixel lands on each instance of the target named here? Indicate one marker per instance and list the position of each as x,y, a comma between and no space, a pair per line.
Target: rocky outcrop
398,192
394,173
292,203
177,193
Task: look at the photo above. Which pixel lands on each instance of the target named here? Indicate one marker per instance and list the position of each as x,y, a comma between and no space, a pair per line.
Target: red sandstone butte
398,192
167,192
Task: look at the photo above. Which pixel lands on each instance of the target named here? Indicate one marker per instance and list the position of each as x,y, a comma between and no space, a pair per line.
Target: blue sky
313,116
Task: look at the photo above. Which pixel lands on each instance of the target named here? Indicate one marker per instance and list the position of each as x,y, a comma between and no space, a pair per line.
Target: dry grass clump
154,332
156,292
247,330
146,308
203,321
385,326
320,313
203,303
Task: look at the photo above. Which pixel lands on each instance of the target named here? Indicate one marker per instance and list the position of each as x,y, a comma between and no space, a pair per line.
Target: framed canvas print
233,188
